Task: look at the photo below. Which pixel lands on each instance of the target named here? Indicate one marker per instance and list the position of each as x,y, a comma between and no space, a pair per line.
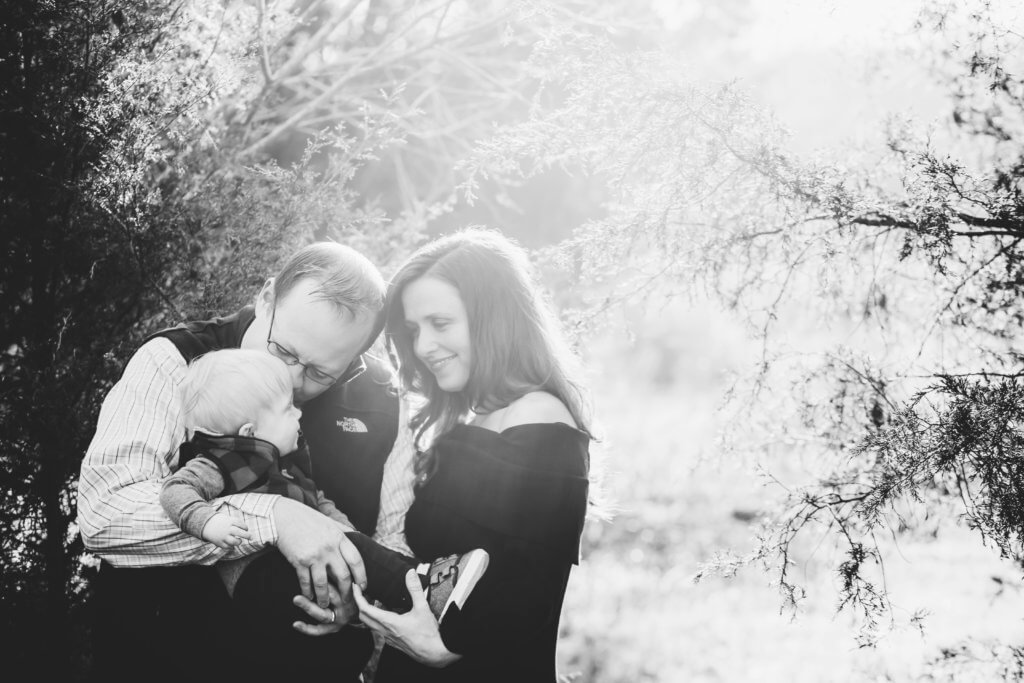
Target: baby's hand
223,532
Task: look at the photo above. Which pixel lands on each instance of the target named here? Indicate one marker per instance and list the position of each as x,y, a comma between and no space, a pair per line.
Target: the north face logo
351,424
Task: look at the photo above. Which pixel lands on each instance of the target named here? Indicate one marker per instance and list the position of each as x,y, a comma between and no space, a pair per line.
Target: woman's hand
416,633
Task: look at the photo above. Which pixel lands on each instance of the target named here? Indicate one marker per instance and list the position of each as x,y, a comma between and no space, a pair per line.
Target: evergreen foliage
158,160
126,208
912,252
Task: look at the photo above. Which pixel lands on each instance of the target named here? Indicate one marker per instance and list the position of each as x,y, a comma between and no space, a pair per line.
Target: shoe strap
443,575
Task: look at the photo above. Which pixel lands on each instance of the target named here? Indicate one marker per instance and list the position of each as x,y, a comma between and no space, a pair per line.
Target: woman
505,463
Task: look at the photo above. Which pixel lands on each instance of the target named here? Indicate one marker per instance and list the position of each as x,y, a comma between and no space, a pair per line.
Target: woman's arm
416,633
515,608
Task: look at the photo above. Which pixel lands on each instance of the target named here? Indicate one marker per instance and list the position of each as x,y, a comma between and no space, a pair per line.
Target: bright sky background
779,26
816,64
833,71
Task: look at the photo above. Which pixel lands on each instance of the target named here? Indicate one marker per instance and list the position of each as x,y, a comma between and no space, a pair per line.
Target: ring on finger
334,617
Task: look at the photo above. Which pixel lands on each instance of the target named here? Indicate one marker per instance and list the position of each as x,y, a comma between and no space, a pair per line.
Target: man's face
322,337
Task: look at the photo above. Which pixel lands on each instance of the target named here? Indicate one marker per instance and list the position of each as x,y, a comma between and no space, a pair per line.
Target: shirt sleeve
185,495
326,506
396,489
134,449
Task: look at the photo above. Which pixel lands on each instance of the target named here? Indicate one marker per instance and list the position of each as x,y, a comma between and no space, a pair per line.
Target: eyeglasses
311,372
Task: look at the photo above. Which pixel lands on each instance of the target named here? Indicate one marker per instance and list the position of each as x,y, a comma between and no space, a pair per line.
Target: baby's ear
248,429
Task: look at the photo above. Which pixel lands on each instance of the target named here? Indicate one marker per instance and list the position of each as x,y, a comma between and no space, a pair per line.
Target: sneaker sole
468,578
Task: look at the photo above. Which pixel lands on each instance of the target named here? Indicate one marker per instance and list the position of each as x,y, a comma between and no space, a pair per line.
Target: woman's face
437,321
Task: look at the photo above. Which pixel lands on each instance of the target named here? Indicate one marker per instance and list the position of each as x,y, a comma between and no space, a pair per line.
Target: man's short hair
343,277
228,388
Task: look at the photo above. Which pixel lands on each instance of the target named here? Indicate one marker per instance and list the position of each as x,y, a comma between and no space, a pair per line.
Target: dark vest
350,428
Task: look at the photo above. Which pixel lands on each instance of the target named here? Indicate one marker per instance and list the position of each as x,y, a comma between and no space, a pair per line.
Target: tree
914,252
71,284
158,160
124,211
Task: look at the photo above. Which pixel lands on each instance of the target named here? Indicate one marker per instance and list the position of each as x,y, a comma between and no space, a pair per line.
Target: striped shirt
396,490
135,448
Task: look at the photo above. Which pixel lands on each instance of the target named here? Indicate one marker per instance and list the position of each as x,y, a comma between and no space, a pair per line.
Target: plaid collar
205,441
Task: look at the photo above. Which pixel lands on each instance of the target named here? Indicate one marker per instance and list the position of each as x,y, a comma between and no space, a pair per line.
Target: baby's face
278,423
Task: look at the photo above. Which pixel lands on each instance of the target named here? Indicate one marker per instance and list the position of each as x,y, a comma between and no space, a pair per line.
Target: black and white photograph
555,341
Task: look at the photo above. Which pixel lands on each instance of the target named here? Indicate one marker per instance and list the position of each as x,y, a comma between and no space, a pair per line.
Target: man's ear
265,299
248,429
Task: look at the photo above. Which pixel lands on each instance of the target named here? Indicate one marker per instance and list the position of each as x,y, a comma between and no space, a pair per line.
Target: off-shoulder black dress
521,495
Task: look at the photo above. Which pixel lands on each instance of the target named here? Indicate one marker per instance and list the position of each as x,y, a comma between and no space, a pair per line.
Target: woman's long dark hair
517,346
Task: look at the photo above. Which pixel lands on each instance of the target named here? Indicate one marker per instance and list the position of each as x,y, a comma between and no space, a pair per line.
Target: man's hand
328,619
318,549
223,532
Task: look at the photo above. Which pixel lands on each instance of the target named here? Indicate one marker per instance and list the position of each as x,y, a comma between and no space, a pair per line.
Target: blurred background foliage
785,236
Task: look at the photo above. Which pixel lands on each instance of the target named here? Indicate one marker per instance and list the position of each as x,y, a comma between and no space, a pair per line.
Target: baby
244,437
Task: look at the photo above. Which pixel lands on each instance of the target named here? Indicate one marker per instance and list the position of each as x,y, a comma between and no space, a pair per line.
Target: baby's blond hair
226,389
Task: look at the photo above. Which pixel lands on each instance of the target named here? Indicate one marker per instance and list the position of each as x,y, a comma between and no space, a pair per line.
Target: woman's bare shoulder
536,407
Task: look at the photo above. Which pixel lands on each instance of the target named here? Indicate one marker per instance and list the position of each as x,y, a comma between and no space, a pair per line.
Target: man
156,591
